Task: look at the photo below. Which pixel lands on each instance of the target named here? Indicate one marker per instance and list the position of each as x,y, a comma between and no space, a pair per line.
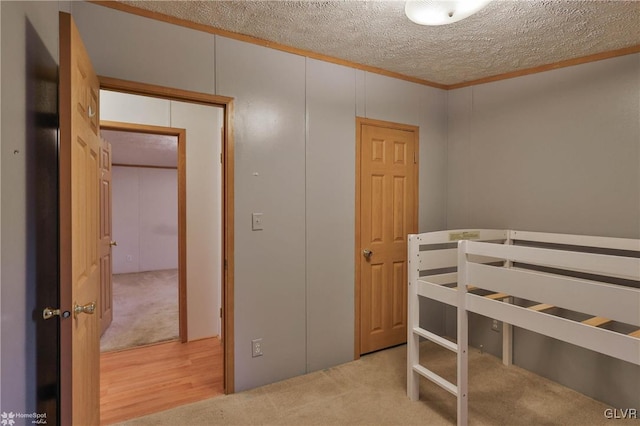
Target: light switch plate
256,222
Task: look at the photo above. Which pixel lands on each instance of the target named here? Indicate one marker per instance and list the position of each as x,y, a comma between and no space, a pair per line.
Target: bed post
507,329
413,320
463,338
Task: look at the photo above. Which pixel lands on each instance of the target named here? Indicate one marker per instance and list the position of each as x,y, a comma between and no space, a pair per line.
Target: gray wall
25,27
554,152
295,128
295,163
269,88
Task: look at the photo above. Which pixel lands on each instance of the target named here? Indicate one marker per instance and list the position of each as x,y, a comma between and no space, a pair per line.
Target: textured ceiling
142,149
503,37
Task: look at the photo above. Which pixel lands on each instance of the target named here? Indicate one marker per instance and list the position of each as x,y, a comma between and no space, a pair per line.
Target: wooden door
79,229
388,213
106,242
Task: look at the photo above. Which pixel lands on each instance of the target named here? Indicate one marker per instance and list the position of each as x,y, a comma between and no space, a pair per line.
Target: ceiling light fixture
441,12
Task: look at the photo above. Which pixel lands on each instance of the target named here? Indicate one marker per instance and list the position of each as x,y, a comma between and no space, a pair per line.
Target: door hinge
220,312
415,158
225,264
220,158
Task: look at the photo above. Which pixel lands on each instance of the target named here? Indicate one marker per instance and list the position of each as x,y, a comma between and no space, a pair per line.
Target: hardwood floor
153,378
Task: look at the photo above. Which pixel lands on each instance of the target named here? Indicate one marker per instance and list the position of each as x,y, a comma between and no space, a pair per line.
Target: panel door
79,229
388,214
106,239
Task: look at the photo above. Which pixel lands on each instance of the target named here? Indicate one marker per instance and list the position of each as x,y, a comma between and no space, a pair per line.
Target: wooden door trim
361,121
181,134
155,91
226,103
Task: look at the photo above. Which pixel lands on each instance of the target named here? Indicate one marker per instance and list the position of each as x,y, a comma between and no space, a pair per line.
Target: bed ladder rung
541,307
596,321
635,334
438,380
497,296
436,339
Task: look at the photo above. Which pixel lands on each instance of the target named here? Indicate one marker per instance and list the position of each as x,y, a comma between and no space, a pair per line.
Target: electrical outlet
496,325
256,347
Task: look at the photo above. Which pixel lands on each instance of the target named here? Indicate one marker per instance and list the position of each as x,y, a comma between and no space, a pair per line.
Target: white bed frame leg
463,338
413,320
507,329
507,340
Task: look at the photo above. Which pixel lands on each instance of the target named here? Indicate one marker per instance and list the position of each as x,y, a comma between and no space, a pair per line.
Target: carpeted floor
145,310
372,391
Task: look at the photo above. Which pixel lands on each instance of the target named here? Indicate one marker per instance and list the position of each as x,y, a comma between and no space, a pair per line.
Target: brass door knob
367,253
113,243
89,308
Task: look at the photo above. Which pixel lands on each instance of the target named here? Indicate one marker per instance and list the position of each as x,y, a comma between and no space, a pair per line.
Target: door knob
48,313
89,308
367,253
113,243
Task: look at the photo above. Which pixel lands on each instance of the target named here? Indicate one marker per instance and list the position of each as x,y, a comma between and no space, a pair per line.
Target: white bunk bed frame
489,268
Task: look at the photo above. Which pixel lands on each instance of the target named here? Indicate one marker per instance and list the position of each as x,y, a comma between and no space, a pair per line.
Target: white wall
145,219
203,196
204,214
555,152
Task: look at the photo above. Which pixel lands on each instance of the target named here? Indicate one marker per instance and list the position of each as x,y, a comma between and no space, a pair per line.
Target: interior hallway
158,377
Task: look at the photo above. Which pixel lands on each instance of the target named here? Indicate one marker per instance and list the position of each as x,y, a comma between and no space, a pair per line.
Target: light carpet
372,391
145,310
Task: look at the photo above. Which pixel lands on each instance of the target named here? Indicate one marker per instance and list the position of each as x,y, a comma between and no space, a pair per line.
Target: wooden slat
635,334
599,299
496,296
541,307
597,339
596,321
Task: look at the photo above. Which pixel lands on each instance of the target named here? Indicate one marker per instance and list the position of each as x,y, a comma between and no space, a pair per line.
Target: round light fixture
441,12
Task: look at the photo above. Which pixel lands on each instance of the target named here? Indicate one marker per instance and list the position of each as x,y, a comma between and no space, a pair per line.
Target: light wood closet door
387,216
80,224
106,238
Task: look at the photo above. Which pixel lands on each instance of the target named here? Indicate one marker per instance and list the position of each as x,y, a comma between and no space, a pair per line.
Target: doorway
386,212
143,299
200,231
78,212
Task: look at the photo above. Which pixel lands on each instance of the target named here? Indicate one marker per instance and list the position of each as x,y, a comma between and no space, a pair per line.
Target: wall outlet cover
256,347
